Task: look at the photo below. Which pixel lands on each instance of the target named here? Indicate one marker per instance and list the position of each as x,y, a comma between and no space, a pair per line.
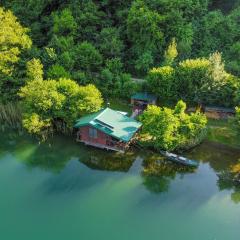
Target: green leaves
109,42
196,81
87,57
13,39
64,23
114,82
34,70
172,129
48,101
171,53
161,82
144,30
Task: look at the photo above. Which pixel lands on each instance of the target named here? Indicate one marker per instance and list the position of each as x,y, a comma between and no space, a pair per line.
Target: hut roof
112,123
219,109
144,96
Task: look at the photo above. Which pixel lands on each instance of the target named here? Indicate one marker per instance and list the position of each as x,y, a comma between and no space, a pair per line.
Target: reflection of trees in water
230,179
51,155
54,154
223,160
109,161
158,173
218,156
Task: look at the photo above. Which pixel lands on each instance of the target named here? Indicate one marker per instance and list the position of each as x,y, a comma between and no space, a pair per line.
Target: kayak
179,159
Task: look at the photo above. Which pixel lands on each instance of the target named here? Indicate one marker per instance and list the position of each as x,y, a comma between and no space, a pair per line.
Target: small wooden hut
141,100
107,129
216,112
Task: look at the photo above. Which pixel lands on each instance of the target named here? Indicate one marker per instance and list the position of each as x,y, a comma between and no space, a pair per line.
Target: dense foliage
187,50
13,39
172,129
53,104
79,40
196,81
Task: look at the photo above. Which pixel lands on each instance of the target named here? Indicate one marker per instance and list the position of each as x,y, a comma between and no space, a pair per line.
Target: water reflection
109,161
219,156
54,154
229,179
158,173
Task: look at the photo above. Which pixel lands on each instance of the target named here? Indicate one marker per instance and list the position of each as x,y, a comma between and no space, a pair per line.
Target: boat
179,159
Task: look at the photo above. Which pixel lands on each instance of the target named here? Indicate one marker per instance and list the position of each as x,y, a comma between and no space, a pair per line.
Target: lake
63,190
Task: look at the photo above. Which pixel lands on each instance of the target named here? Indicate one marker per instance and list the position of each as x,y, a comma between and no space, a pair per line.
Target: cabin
107,129
216,112
141,100
219,112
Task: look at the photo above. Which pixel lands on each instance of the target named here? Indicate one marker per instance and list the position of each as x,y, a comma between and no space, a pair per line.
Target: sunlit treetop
13,39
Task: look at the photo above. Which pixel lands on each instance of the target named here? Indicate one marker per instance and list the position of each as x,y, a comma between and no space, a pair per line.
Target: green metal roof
112,123
144,96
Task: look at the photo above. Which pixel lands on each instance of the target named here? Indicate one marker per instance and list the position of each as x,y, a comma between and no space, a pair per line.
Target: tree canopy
171,129
187,50
13,39
49,102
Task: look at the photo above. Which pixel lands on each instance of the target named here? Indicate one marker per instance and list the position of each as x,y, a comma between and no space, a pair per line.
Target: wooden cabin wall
85,137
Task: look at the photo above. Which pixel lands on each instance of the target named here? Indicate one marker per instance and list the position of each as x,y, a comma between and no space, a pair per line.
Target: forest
61,58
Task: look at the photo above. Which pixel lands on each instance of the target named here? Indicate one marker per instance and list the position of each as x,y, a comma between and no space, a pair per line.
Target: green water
63,190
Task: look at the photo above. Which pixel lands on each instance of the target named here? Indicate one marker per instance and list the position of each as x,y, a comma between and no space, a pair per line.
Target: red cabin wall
101,136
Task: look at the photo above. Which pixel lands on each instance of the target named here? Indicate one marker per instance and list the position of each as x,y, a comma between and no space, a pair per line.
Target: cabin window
92,133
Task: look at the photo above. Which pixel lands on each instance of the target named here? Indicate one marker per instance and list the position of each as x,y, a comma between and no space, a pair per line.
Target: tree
13,39
234,59
161,82
64,23
50,103
87,58
221,87
171,129
191,74
114,82
57,71
216,68
144,62
144,29
34,70
171,53
143,26
110,44
89,19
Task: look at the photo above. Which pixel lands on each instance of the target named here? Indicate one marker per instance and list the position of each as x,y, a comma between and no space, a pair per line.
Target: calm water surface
63,190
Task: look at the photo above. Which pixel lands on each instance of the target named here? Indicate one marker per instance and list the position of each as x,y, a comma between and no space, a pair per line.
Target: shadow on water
158,173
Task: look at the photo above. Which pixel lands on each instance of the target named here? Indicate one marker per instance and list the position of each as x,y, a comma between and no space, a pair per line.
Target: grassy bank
223,131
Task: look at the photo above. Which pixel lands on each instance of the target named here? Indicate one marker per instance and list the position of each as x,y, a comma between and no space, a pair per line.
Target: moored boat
179,159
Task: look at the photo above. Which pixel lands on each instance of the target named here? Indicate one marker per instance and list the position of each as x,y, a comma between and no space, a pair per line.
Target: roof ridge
101,113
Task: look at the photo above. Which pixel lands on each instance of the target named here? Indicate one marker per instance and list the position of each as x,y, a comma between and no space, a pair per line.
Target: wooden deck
102,146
